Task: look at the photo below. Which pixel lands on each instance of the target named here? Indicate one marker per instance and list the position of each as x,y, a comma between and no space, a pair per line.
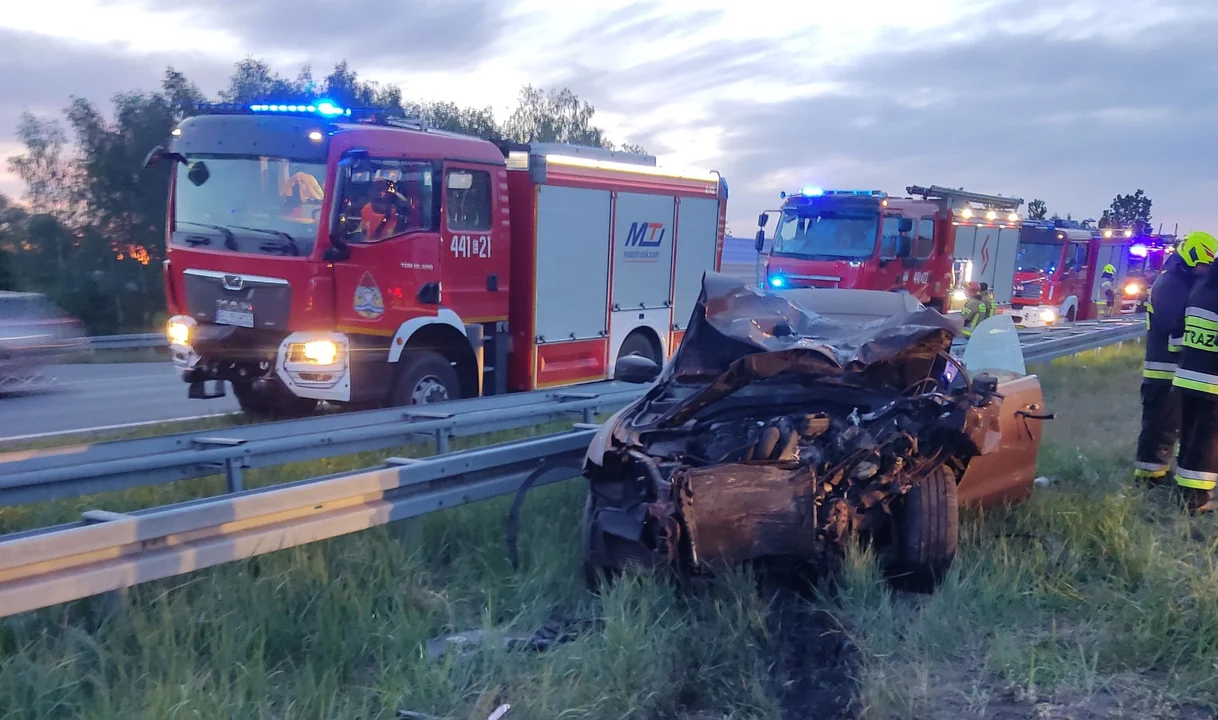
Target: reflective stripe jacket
1198,371
1165,319
976,310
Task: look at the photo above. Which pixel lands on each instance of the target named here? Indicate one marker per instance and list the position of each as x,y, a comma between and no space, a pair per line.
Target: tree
553,116
253,80
94,232
1128,211
1037,209
48,174
633,149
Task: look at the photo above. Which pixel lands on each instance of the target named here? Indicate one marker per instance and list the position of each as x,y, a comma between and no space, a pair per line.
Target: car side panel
1008,474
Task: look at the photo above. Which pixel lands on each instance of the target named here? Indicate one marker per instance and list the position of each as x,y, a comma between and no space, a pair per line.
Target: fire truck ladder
991,202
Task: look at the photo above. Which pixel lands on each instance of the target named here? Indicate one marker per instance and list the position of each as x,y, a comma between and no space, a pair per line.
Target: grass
1095,599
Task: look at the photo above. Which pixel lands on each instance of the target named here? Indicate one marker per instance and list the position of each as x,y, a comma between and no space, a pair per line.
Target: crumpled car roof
734,327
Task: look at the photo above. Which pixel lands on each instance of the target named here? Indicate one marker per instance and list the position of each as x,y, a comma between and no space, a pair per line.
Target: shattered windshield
259,204
827,234
1038,257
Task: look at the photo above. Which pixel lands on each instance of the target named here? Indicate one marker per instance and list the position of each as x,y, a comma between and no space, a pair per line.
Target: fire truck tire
280,406
637,343
424,377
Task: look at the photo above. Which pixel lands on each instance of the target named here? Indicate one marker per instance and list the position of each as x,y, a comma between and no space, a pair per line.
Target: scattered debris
556,631
1043,481
412,715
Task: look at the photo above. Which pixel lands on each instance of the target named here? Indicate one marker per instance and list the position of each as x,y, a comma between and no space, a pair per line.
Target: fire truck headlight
320,352
1133,288
1047,316
178,331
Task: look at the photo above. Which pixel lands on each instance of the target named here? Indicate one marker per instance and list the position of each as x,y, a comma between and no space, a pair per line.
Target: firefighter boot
1199,501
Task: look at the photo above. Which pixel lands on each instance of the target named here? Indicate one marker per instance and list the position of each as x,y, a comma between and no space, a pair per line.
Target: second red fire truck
930,243
320,253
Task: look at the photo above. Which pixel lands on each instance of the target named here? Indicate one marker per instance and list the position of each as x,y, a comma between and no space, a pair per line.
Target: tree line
91,231
1126,211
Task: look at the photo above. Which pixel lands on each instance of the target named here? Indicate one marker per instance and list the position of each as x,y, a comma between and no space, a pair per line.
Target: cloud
40,73
404,35
1057,115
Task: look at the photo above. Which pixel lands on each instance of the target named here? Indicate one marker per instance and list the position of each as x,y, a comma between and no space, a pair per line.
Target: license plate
229,312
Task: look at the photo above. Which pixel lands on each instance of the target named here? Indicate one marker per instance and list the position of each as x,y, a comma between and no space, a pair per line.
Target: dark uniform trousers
1161,407
1197,381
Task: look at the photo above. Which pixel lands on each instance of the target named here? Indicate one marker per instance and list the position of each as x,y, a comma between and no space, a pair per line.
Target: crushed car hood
737,336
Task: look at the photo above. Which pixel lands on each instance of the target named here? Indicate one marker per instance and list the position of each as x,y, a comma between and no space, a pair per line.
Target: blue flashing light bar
812,191
325,108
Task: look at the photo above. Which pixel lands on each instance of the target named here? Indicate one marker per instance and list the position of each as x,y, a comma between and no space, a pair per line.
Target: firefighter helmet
1198,248
1109,269
974,287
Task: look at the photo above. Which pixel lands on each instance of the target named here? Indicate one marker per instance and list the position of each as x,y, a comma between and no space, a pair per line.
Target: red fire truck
930,243
1146,257
1058,268
321,253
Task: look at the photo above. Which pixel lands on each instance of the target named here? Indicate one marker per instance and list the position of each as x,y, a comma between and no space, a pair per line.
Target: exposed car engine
777,433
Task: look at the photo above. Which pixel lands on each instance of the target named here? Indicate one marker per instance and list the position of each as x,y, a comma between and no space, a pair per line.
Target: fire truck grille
1029,290
258,303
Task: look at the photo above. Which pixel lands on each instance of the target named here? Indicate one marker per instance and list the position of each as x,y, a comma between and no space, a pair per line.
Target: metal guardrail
43,475
107,551
128,342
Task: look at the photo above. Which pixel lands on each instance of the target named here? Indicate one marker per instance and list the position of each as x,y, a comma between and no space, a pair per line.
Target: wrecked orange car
787,425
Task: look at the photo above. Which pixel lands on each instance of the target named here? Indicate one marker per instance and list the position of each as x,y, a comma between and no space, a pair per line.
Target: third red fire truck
930,243
320,253
1058,271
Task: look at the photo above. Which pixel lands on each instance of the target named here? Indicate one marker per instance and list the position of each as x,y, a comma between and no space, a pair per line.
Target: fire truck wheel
280,406
425,377
637,343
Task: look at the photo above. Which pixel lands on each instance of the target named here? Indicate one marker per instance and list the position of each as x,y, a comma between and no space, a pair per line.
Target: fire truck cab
1146,257
1058,272
929,244
317,253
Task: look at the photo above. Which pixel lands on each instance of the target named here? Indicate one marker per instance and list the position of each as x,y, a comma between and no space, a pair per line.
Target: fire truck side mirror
763,219
159,153
760,242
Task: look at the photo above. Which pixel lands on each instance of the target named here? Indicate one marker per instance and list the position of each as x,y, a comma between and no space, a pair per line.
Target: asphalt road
88,396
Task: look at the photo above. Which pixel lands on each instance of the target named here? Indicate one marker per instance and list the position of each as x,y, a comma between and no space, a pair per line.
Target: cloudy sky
1072,101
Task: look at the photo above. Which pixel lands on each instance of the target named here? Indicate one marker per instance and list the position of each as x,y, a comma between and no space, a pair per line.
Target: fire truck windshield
827,234
1038,257
263,204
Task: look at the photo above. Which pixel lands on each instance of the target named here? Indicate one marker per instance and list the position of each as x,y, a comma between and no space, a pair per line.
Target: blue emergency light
811,191
325,108
777,281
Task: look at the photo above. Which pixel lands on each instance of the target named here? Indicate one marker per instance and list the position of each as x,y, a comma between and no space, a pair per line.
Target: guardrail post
233,476
234,479
588,413
441,434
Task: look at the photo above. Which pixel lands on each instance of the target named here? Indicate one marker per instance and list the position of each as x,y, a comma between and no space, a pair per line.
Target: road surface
102,395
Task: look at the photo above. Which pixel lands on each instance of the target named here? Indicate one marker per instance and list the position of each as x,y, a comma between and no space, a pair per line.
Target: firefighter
977,308
1108,285
1165,305
1196,380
